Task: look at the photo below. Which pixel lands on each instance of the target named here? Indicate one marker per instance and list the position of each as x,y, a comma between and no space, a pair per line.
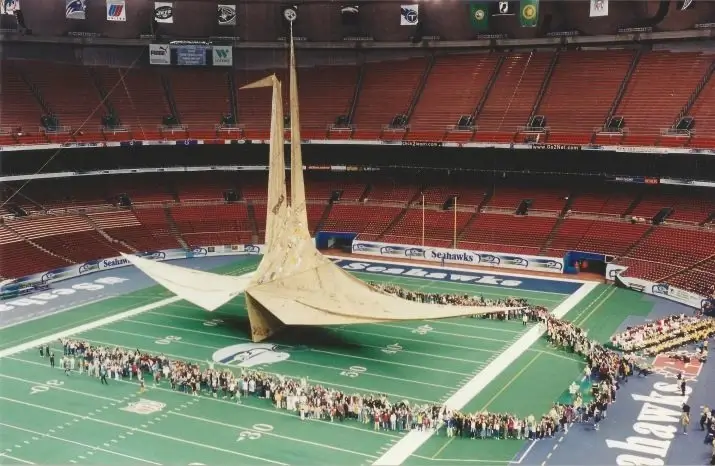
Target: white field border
411,442
500,272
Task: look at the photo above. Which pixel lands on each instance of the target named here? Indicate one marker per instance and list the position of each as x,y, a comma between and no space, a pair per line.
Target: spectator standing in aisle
685,420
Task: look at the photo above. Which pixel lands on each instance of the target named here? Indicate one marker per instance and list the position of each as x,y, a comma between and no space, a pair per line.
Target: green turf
80,421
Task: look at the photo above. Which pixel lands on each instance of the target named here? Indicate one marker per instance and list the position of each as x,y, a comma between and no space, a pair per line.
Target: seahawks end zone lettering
656,426
430,274
47,296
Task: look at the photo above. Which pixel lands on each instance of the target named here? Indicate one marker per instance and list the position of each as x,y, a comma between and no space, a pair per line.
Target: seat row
501,90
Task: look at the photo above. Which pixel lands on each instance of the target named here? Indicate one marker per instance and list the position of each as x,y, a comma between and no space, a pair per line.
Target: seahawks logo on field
249,355
144,406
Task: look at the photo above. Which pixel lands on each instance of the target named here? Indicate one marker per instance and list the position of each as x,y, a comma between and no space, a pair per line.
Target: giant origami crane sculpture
294,283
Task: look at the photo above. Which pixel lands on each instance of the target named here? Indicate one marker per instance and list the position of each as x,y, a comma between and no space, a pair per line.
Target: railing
341,128
607,130
56,130
6,131
674,132
173,128
229,129
395,129
462,129
114,129
532,129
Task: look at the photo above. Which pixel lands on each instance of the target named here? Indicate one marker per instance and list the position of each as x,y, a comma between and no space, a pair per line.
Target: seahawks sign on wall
163,12
226,15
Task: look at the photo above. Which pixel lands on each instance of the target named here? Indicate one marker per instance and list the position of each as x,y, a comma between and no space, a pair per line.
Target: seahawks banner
599,8
226,15
409,15
78,270
75,9
459,256
529,13
9,7
163,12
479,16
662,290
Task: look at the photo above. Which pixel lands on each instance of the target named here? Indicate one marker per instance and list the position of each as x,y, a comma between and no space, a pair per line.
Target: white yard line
411,442
86,327
145,432
54,311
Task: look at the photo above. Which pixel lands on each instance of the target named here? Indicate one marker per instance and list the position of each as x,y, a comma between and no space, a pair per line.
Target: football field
48,417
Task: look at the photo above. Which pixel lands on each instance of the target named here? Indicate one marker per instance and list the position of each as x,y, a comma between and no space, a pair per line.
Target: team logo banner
226,15
116,10
164,12
459,256
409,15
599,8
159,54
222,55
9,7
75,9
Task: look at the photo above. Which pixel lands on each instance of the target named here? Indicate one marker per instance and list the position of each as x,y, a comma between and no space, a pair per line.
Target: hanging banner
409,15
163,12
226,15
75,9
529,13
116,10
9,7
599,8
159,54
222,55
479,16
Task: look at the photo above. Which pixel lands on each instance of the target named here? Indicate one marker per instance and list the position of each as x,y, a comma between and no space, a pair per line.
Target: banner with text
76,270
159,54
662,290
459,256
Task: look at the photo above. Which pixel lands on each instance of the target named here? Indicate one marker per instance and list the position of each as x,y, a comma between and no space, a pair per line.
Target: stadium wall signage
358,142
615,272
459,256
14,286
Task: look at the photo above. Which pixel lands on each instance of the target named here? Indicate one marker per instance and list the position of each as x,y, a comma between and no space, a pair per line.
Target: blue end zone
462,276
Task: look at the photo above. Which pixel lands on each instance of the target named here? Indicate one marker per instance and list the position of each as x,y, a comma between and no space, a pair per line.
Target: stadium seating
453,88
652,103
513,95
124,226
591,78
18,257
507,233
138,97
80,109
356,218
18,107
213,224
387,90
325,93
580,91
201,106
438,226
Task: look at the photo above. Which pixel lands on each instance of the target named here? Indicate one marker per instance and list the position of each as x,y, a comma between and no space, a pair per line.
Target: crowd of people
605,370
665,334
520,308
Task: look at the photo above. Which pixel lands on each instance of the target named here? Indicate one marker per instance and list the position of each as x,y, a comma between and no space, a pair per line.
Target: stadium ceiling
366,20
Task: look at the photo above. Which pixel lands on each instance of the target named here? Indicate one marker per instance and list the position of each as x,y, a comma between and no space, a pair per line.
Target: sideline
411,442
86,327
